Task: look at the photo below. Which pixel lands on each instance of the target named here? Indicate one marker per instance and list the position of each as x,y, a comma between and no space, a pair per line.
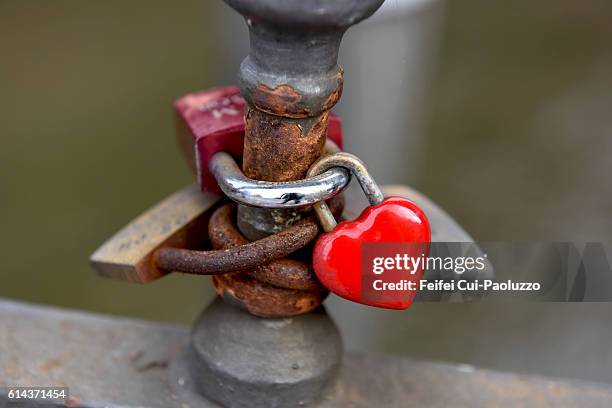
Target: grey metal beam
119,362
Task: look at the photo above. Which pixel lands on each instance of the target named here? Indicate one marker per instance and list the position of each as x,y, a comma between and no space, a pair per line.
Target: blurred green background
518,147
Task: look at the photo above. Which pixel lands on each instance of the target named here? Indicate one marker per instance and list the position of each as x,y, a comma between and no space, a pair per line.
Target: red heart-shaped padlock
337,258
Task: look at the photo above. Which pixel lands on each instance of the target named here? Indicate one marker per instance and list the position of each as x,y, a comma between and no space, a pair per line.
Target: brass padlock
180,220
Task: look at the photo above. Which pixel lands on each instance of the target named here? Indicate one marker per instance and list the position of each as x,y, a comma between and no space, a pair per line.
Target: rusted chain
267,290
244,255
284,273
281,288
260,280
289,274
256,275
265,300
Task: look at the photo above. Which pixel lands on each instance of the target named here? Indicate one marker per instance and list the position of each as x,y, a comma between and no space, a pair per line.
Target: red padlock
212,121
339,255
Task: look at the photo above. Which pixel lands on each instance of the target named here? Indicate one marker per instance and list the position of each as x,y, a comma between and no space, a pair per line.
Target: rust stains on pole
278,148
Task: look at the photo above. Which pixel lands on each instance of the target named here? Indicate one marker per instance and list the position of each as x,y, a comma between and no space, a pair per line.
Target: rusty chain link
255,275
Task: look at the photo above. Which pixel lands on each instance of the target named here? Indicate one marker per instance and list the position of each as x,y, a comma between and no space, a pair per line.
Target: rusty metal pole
290,81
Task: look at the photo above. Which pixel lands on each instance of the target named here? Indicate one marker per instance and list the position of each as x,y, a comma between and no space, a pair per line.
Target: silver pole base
239,360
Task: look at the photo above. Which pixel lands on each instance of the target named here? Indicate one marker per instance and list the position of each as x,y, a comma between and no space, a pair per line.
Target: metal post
290,81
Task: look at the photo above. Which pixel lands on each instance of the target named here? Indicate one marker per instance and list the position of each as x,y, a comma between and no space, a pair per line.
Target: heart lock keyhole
337,256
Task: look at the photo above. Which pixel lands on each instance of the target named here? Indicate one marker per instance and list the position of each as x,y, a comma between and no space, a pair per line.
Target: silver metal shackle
358,169
268,194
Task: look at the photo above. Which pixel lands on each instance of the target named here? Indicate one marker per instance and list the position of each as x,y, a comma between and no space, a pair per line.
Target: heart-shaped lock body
337,258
